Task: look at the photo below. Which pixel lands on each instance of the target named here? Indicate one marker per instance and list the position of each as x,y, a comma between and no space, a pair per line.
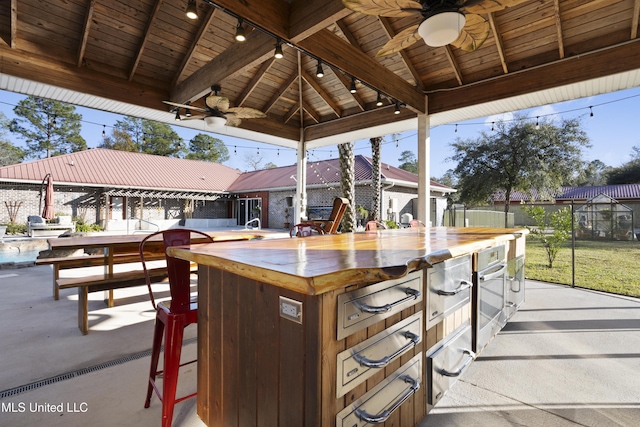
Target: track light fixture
192,10
397,110
240,34
187,112
353,85
319,71
379,100
178,118
278,53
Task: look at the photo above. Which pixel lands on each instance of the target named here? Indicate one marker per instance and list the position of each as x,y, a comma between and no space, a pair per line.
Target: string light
538,122
456,131
492,126
104,133
591,109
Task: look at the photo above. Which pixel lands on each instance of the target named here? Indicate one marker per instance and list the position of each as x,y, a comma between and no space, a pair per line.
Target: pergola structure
128,56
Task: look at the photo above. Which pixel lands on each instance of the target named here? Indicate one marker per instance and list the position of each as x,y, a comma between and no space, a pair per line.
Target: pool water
15,256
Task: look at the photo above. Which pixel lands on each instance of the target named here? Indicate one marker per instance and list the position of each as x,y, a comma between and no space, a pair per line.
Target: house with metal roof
125,191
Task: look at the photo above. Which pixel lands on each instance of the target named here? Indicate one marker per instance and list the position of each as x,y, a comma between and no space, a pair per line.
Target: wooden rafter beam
206,22
85,32
338,53
499,46
591,65
346,83
234,61
145,38
556,11
634,20
386,26
255,81
14,24
276,96
348,34
326,97
311,111
292,112
454,64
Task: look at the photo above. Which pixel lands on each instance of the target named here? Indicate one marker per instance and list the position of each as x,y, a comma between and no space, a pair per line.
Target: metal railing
246,225
140,230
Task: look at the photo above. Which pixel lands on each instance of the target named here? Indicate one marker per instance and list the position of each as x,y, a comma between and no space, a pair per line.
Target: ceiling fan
455,22
217,112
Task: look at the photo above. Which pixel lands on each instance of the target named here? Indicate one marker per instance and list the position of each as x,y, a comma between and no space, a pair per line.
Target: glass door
249,209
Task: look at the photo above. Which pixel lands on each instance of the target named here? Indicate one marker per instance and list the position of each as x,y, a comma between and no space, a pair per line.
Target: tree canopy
9,153
49,128
518,156
627,173
145,136
207,148
408,161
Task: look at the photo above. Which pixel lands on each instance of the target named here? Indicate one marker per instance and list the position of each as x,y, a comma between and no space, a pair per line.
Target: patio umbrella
47,212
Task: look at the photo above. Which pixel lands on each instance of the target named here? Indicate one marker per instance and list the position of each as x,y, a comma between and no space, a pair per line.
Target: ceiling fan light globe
215,122
442,28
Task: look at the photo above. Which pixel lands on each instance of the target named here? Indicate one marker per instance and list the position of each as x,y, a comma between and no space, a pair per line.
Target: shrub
559,230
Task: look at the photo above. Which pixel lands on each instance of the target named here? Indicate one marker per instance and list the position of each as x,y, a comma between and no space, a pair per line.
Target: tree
49,127
119,140
207,148
9,153
409,161
519,156
270,165
595,173
253,161
552,230
627,173
161,140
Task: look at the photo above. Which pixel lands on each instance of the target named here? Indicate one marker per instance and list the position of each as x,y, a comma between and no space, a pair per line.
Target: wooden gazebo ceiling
142,52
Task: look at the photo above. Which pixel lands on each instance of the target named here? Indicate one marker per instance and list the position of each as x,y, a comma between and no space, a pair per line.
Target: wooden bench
99,282
66,263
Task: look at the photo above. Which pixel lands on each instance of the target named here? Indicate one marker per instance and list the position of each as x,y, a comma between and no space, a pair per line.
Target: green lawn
610,266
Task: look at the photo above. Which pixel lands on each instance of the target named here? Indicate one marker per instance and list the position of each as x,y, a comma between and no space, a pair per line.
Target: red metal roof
113,168
618,192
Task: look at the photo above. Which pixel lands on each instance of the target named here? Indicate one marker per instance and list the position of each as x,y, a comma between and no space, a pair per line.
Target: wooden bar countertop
318,264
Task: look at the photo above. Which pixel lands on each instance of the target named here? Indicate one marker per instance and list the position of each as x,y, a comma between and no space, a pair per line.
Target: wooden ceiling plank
635,19
346,83
206,22
257,77
145,38
310,16
388,29
556,11
14,24
85,32
271,15
326,97
499,44
340,54
234,61
280,92
453,63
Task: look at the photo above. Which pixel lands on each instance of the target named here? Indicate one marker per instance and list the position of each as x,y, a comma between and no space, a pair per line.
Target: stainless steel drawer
365,306
448,288
447,362
361,361
377,405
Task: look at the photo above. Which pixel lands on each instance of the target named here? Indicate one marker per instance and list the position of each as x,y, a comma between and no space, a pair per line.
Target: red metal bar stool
171,319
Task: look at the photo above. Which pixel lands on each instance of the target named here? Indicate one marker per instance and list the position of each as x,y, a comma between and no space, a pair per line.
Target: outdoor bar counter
330,330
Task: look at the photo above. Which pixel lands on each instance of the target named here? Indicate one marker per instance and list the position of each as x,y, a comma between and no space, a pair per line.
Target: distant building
123,191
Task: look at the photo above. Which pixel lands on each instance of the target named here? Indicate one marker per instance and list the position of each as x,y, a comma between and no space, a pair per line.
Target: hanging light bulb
240,34
379,100
537,122
353,85
591,109
456,131
192,10
492,127
278,52
319,71
103,130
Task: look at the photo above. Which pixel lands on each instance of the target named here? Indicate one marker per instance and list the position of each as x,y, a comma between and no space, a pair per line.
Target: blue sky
612,130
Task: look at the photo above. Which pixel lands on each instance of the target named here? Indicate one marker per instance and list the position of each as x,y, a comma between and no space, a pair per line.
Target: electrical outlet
291,309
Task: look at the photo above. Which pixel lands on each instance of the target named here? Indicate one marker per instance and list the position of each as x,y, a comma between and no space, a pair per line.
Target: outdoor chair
305,230
171,319
330,226
374,225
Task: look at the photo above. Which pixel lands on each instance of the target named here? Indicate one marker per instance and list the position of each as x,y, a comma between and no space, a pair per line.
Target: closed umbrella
48,212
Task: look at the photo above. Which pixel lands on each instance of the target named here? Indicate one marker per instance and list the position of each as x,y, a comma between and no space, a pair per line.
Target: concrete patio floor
569,357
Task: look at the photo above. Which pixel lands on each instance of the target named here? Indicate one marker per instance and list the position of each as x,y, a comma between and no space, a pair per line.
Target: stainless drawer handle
464,285
458,371
495,274
411,294
384,415
514,280
381,363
